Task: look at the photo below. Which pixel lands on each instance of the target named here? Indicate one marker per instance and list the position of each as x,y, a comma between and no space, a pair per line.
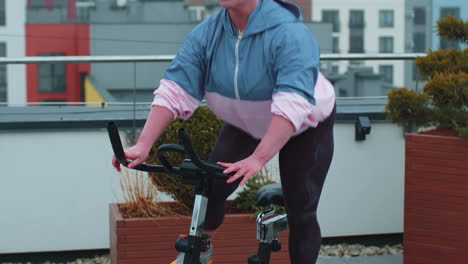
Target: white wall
13,34
372,31
56,186
364,190
55,189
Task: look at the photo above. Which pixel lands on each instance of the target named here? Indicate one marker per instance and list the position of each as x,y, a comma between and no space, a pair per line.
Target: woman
257,66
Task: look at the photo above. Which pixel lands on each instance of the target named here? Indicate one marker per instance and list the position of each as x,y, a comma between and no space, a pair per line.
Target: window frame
335,44
352,43
51,74
423,17
336,20
445,43
3,13
383,73
383,44
384,13
4,71
357,23
423,49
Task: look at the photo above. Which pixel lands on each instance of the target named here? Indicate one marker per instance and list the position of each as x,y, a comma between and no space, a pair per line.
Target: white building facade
12,44
366,26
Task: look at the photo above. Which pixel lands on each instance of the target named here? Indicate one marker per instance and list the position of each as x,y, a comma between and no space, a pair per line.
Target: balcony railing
168,58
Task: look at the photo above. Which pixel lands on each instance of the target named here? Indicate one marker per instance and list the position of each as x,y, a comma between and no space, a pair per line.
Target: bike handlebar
202,167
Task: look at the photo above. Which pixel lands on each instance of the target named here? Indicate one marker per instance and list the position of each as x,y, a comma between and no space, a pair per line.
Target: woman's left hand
245,168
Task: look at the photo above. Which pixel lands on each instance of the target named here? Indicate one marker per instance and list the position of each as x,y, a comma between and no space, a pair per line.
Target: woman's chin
228,3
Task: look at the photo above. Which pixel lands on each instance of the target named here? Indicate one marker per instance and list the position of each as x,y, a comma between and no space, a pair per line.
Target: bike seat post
268,230
198,215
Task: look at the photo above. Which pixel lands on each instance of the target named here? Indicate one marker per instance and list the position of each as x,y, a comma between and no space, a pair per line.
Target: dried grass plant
142,199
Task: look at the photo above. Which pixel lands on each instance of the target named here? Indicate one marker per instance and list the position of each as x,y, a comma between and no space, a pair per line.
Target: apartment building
366,26
419,28
12,44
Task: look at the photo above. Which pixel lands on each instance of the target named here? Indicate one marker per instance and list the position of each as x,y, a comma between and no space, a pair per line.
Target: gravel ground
326,251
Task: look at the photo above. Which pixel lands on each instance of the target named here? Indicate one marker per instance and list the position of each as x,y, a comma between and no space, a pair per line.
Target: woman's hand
245,168
158,119
137,154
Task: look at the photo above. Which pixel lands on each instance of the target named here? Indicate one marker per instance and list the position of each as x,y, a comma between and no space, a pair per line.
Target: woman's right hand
137,154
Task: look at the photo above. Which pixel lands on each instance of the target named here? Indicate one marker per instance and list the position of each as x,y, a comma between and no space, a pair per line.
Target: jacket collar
267,14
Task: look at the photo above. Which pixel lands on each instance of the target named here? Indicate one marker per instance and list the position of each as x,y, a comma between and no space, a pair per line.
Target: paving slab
387,259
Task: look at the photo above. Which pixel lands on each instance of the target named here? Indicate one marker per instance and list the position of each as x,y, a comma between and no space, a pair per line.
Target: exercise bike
200,173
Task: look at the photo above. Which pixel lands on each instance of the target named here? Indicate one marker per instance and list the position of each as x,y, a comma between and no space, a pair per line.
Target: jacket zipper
236,72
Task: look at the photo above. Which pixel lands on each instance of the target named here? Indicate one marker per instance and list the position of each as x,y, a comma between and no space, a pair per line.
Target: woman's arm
277,135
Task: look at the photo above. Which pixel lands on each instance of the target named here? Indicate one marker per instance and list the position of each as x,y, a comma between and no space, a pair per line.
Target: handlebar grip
120,154
116,143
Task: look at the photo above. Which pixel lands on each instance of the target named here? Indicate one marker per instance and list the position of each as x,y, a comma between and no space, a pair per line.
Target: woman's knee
302,218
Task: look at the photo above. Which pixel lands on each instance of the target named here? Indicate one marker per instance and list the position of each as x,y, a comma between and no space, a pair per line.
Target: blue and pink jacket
272,68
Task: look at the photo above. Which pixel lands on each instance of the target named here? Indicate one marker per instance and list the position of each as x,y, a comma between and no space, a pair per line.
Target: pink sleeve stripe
299,111
173,97
293,107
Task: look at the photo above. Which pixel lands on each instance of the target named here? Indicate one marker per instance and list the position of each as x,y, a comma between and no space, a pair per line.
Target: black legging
304,162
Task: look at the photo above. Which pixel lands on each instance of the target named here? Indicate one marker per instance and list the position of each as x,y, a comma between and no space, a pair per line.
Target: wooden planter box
436,200
152,240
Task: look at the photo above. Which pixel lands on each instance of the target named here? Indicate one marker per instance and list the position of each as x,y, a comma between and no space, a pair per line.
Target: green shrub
453,29
442,61
463,132
448,89
203,128
408,108
444,101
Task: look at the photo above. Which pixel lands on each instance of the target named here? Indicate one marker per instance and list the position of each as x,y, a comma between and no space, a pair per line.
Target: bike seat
270,194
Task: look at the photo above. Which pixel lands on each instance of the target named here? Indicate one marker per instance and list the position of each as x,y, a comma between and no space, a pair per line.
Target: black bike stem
168,148
212,168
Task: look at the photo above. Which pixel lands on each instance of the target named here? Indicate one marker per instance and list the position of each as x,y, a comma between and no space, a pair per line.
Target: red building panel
65,39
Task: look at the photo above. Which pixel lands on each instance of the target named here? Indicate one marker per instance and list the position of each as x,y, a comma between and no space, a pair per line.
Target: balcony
64,144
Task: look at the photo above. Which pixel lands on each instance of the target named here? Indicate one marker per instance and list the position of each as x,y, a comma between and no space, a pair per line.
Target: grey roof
85,117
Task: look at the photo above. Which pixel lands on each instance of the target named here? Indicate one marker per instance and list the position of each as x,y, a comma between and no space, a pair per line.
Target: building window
336,45
416,74
2,13
419,40
419,15
356,18
356,44
449,11
386,44
448,44
52,76
331,16
335,69
386,71
342,92
445,12
3,75
386,18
